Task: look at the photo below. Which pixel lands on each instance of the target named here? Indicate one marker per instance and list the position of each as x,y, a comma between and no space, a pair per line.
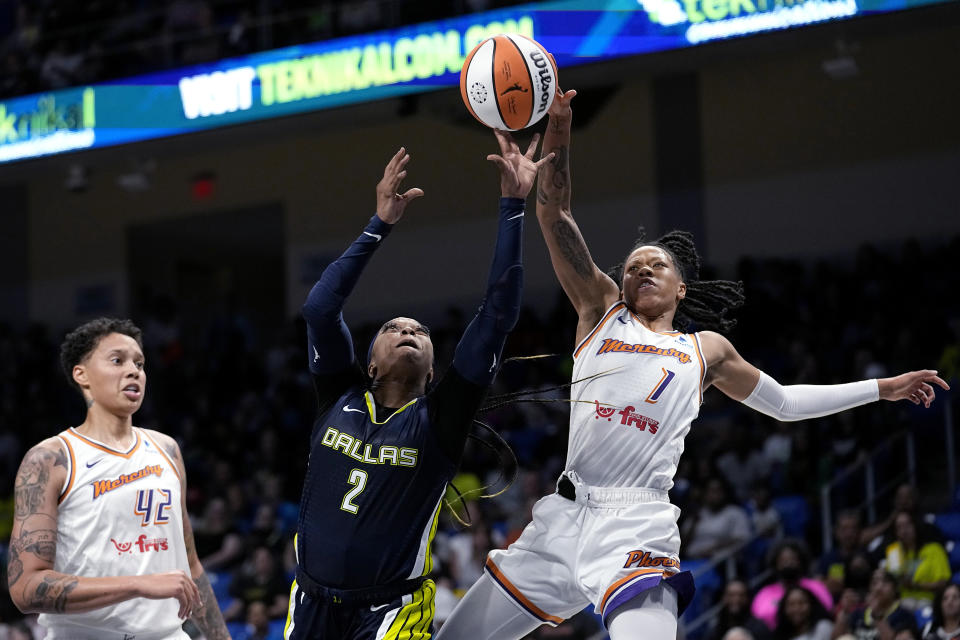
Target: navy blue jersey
382,476
376,476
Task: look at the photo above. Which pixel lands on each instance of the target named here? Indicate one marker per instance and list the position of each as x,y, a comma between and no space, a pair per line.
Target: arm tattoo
32,479
559,164
572,248
209,619
51,594
554,181
14,566
41,543
558,126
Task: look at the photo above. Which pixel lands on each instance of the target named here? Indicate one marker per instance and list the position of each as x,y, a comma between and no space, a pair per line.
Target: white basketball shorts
605,546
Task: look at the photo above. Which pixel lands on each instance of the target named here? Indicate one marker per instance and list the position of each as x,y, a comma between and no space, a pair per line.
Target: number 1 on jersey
358,478
658,390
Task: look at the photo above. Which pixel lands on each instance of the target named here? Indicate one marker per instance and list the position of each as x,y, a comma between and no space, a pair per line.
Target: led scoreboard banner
383,64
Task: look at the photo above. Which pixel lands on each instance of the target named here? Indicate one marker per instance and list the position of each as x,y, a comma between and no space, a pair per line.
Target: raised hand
172,584
517,170
390,202
561,104
915,386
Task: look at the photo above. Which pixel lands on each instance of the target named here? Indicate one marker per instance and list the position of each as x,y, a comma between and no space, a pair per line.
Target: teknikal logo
706,20
143,544
628,417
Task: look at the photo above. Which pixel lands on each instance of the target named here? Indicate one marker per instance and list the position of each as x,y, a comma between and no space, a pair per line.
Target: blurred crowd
239,399
50,45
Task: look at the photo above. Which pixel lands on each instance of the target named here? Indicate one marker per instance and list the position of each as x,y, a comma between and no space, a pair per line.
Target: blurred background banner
383,64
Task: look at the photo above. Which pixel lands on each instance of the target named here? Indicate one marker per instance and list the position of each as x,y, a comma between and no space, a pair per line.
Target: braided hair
707,301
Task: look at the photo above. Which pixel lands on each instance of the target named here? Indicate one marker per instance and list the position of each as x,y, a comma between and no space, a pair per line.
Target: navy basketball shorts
408,617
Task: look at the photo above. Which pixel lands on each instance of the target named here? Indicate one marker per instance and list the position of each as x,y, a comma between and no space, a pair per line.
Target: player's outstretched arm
737,378
477,356
34,586
589,289
207,616
478,351
330,348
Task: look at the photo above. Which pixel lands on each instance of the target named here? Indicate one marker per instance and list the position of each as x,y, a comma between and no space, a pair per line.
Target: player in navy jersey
383,448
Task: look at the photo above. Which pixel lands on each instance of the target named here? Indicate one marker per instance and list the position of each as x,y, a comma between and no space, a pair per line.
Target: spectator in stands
857,574
920,564
258,624
846,536
803,472
882,616
719,526
776,447
945,624
735,614
800,616
790,562
767,526
446,598
738,633
467,553
259,580
218,543
764,517
879,535
743,466
265,530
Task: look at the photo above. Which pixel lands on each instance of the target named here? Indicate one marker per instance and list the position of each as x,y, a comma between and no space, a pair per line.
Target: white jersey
634,396
119,515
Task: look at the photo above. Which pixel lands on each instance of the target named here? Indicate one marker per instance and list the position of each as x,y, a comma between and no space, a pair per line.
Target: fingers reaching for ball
391,202
518,171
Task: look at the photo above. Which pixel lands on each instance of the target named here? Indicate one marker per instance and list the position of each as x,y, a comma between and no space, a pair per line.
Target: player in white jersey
609,536
101,545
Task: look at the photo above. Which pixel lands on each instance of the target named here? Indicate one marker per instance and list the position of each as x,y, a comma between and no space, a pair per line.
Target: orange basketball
508,82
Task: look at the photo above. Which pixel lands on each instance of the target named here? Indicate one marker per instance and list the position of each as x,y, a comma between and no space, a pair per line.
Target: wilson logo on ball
508,82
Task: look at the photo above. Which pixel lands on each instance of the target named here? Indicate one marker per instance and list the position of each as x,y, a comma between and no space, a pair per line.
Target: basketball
508,82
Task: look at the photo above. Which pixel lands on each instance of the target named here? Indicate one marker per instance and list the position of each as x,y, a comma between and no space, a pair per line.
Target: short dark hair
82,341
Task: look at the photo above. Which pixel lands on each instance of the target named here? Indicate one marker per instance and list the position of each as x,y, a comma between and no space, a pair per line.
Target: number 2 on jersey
658,390
358,478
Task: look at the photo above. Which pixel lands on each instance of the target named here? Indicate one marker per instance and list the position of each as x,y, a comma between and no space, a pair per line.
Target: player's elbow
24,605
18,603
789,416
